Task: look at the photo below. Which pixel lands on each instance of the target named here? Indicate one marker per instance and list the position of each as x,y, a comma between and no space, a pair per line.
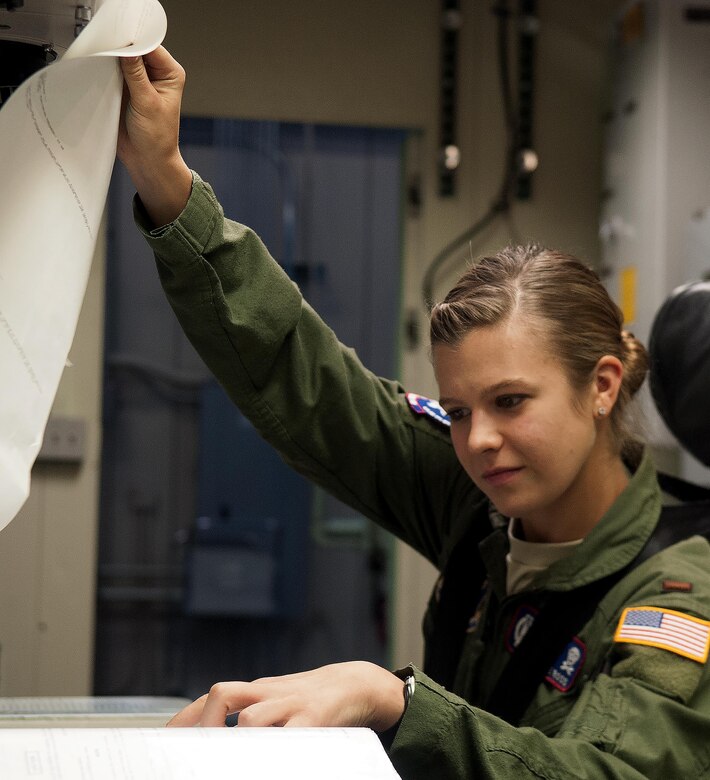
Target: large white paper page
179,754
58,134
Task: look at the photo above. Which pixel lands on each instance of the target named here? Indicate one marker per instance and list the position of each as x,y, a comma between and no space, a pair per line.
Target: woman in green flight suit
534,373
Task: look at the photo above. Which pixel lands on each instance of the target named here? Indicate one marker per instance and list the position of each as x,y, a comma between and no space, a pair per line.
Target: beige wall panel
48,552
362,62
20,574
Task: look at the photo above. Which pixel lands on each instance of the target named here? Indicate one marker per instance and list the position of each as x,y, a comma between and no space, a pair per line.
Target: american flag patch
665,628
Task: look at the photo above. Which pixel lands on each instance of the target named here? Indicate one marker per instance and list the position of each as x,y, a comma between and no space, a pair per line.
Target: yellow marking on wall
627,293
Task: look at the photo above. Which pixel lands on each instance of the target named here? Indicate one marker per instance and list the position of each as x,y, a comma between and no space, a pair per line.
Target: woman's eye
509,401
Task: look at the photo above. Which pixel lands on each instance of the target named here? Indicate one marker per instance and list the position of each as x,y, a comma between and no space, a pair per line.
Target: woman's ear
608,375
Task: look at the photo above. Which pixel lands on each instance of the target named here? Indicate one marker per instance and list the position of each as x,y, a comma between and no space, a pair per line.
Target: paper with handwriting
59,131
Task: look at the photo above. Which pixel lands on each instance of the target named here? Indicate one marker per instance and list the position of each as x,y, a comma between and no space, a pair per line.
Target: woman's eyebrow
504,384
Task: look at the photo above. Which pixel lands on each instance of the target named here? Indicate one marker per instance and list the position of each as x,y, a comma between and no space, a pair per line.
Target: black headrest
679,349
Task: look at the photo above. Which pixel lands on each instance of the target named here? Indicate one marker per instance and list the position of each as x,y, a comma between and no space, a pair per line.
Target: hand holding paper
148,136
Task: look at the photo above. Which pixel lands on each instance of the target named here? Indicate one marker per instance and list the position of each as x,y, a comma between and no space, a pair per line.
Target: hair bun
635,361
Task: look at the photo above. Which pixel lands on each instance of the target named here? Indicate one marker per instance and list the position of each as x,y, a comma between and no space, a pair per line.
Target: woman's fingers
190,715
148,133
226,698
156,73
349,694
272,712
151,114
136,78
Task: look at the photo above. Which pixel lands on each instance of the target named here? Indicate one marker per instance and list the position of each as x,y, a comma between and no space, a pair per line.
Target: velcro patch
521,623
564,671
667,629
428,406
681,586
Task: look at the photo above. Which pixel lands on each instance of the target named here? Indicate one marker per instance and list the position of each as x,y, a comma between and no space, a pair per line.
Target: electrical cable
502,202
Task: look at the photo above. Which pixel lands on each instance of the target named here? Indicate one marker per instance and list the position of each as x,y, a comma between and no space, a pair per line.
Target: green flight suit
634,711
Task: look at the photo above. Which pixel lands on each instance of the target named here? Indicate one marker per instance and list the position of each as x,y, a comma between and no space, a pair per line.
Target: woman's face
521,432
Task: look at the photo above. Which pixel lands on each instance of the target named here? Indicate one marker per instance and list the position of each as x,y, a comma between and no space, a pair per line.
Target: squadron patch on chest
568,665
522,620
667,629
428,406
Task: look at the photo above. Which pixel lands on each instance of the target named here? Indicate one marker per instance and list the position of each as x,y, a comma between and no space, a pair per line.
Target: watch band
409,686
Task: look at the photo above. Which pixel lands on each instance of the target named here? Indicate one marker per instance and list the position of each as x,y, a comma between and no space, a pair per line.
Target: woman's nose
483,434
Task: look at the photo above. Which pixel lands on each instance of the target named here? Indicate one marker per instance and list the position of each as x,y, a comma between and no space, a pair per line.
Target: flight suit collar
614,542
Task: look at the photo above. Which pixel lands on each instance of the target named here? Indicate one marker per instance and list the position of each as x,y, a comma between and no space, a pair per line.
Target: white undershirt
527,559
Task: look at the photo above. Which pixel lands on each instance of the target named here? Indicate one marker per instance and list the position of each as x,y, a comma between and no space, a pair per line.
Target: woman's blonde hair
566,301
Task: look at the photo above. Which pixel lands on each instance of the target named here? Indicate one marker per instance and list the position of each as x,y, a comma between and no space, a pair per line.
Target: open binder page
179,754
59,131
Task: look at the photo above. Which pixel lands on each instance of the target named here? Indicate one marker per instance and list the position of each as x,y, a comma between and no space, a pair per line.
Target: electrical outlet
64,440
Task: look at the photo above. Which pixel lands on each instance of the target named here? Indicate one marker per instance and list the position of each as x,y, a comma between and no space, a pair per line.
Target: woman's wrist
163,190
386,697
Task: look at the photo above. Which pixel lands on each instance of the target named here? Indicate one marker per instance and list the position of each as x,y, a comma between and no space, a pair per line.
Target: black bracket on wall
526,157
449,152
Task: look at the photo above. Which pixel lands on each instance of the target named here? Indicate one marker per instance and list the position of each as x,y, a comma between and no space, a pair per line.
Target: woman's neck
584,504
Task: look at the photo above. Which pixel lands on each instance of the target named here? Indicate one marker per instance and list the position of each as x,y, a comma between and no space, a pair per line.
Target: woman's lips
500,476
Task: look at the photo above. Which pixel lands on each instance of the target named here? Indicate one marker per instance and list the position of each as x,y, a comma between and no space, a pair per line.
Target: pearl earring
601,411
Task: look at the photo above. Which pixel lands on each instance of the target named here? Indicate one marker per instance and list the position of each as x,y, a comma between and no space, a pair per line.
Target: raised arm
306,393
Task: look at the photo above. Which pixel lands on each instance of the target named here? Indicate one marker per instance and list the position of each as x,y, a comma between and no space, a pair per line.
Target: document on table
179,754
59,131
